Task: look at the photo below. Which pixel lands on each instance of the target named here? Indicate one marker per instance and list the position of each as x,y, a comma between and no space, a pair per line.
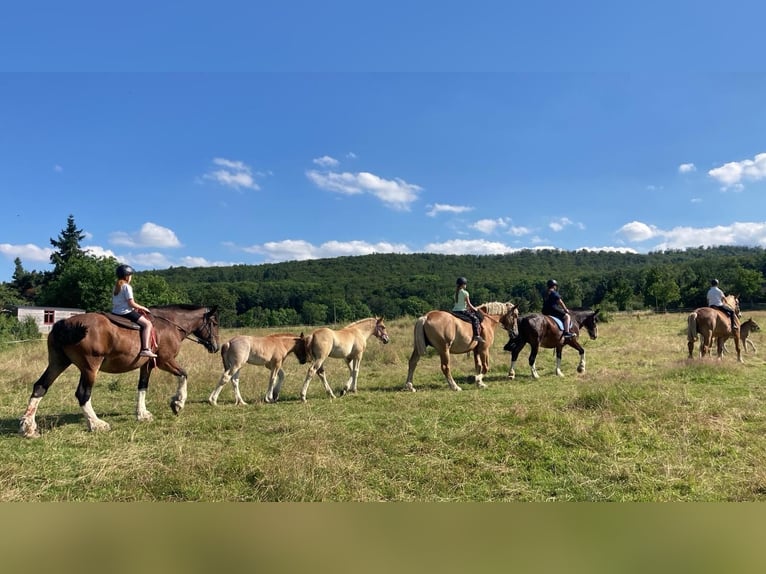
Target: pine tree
67,246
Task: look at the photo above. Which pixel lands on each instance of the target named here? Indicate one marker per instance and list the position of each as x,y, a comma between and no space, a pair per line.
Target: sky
204,134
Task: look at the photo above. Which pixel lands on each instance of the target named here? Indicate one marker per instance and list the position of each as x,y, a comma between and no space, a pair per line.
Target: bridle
380,331
192,335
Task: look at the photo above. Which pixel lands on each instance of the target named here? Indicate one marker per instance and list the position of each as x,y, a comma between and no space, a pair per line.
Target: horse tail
225,355
64,333
420,336
308,340
691,330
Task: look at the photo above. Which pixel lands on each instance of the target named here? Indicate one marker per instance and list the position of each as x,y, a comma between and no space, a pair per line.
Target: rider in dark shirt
554,305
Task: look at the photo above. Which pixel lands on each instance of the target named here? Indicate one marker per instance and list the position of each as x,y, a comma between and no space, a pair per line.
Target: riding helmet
123,271
462,281
552,283
714,282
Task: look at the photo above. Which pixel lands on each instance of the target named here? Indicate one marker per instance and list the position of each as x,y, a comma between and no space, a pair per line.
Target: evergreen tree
67,246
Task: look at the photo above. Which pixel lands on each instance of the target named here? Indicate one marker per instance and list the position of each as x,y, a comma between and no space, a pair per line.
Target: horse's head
589,320
207,332
380,330
300,349
754,327
510,319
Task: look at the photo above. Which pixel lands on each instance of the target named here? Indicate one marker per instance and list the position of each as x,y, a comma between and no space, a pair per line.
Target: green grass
641,424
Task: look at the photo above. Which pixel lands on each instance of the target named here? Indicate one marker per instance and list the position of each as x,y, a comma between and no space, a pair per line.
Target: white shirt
715,296
120,305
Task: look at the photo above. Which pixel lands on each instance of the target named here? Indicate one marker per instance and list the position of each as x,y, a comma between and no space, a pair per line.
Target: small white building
46,316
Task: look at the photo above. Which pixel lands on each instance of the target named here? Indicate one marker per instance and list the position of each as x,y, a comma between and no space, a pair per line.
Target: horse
93,342
707,322
348,344
449,334
745,329
269,351
542,331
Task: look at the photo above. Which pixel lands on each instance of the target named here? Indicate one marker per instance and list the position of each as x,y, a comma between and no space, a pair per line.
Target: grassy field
641,424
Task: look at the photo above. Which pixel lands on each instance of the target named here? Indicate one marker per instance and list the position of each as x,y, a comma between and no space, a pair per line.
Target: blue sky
199,134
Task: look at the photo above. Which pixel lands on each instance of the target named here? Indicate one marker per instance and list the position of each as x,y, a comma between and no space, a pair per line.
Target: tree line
343,289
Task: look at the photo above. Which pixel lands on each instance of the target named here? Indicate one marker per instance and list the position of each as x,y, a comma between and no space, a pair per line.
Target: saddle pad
121,321
557,321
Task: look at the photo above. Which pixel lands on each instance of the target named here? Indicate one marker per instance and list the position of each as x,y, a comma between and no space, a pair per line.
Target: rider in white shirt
715,299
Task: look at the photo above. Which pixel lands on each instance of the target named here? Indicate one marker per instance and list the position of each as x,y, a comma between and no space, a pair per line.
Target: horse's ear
596,312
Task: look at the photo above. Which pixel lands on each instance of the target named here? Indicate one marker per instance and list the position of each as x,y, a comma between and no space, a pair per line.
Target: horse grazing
269,351
93,342
706,323
449,334
347,343
542,331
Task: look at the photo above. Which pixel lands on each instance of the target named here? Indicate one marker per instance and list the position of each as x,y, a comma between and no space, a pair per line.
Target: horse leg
315,368
514,357
27,424
533,359
238,400
278,385
557,352
142,414
737,347
481,364
446,371
225,378
83,393
353,370
323,378
414,358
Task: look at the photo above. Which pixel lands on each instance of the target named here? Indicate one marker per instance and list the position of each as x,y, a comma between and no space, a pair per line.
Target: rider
715,299
554,305
464,307
123,304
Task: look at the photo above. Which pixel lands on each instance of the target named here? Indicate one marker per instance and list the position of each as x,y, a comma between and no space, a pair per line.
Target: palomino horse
707,322
348,344
542,331
745,329
269,351
94,343
451,335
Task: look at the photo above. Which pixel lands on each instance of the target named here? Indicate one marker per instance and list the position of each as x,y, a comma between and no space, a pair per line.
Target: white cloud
326,161
733,174
292,249
637,231
518,230
150,235
26,252
469,247
98,251
396,194
438,208
234,174
560,223
490,225
687,168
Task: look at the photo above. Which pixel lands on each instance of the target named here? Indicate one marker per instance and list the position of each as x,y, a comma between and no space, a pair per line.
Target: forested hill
392,285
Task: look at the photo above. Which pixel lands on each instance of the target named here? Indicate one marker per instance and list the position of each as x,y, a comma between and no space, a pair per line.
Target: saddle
121,321
559,323
463,316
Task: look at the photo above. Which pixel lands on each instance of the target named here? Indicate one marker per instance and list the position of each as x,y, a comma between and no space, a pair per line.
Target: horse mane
494,307
178,306
376,319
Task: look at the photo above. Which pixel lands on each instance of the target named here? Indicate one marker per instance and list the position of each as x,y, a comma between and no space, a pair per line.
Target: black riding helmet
552,283
462,281
123,271
714,282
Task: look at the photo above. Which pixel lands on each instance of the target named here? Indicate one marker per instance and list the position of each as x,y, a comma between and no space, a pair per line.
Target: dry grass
642,423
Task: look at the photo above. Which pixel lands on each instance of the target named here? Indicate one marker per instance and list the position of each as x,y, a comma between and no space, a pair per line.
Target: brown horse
269,351
348,344
94,343
747,327
451,335
542,331
707,322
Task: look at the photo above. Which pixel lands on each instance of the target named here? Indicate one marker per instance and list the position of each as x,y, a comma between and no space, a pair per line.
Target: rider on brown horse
555,307
715,299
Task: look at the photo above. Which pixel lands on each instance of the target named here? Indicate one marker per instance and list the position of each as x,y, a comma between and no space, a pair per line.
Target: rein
187,334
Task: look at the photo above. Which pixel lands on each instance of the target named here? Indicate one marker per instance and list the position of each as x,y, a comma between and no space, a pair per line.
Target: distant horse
745,329
269,351
450,335
542,331
348,344
94,343
707,322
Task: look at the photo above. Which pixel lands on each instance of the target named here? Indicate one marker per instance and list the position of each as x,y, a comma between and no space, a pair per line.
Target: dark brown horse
94,343
451,335
707,322
542,331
